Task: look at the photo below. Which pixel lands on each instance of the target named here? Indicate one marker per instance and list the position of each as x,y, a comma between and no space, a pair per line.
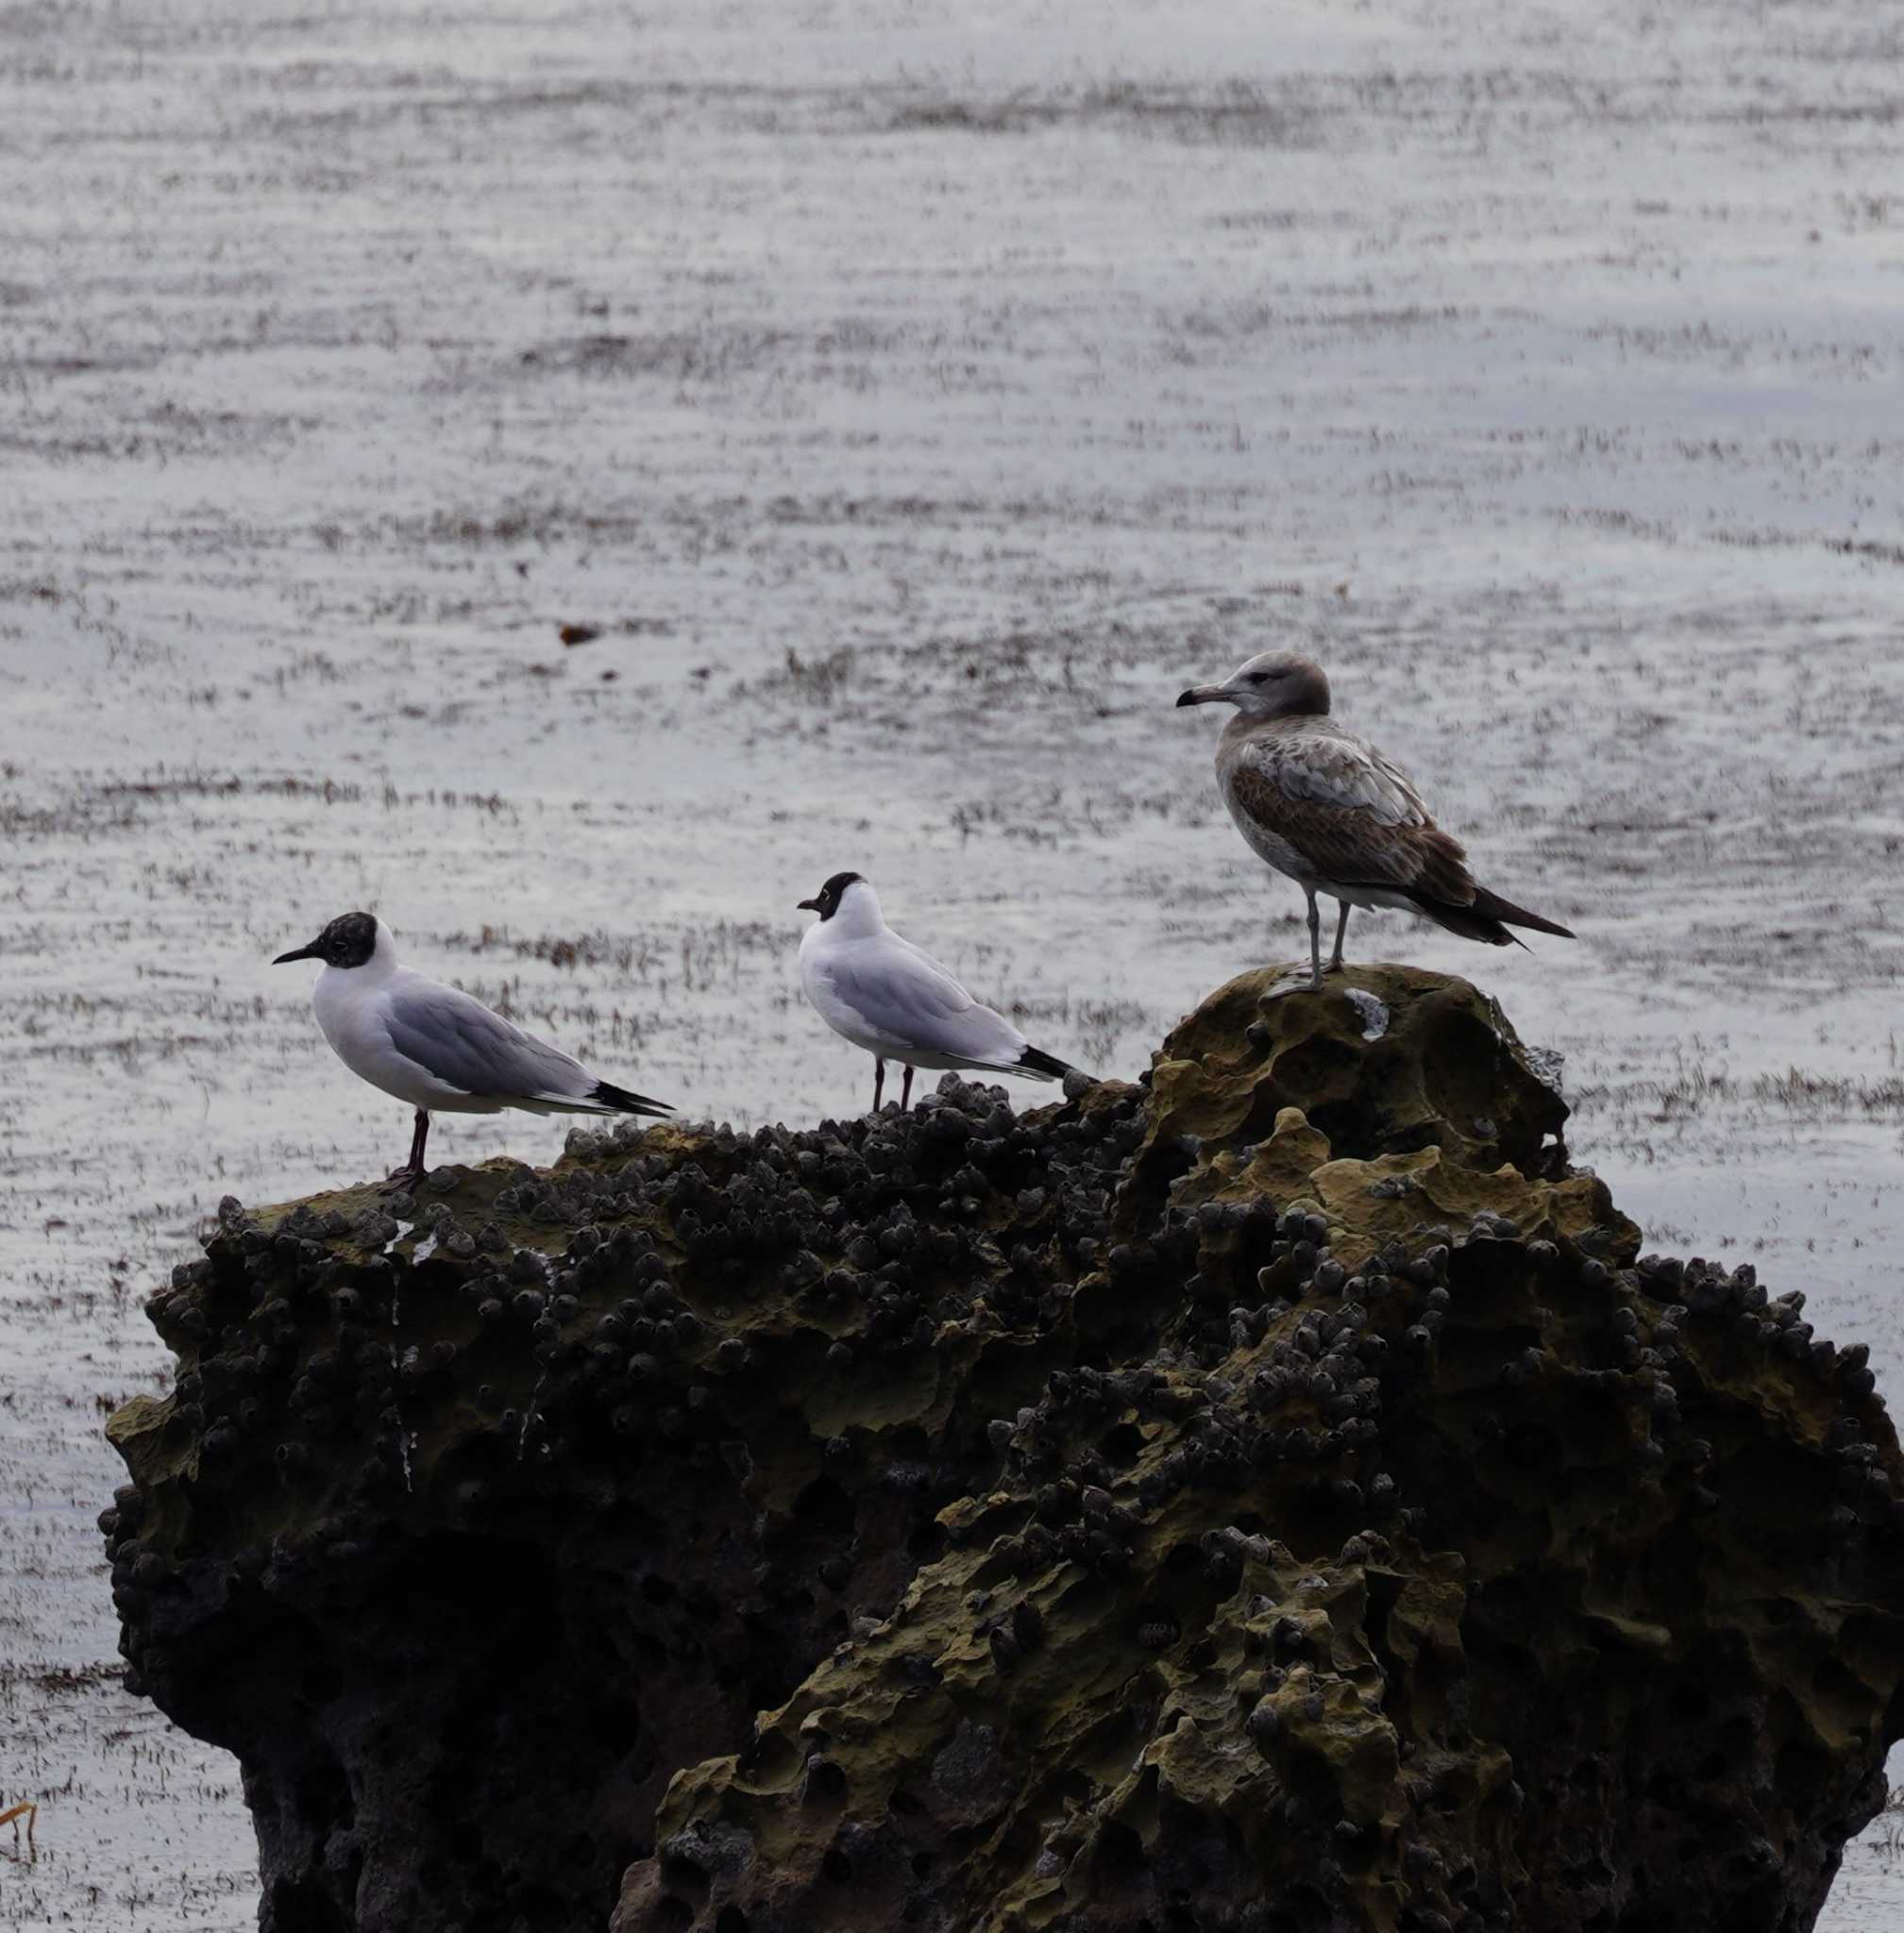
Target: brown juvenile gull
1325,807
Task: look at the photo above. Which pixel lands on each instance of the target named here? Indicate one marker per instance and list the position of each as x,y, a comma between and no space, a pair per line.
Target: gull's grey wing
459,1040
903,992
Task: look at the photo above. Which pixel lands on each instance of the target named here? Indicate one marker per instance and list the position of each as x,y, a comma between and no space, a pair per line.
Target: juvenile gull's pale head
1272,685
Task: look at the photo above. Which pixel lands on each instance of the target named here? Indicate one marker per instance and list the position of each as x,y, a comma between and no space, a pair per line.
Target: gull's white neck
856,917
345,998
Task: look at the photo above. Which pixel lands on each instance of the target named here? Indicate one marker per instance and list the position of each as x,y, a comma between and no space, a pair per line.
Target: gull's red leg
411,1169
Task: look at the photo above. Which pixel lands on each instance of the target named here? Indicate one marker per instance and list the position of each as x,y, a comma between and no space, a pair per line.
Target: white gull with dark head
884,994
438,1049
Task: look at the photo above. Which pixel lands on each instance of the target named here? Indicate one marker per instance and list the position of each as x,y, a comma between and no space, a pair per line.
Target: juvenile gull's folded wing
1335,769
1349,814
459,1040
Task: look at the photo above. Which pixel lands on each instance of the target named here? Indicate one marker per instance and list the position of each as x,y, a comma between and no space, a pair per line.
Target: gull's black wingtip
625,1102
1046,1067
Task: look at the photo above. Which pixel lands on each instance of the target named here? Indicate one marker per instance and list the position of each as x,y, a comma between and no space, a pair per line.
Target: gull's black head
826,904
348,941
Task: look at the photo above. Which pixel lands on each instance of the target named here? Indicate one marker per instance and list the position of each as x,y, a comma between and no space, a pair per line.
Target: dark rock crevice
1273,1496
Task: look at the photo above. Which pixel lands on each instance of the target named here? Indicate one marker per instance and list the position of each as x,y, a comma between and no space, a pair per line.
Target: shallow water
914,409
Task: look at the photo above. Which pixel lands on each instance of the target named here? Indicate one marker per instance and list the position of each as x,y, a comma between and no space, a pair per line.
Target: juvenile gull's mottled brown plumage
1317,802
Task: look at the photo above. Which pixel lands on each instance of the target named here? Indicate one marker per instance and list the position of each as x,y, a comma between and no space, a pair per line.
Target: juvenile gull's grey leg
1341,928
1314,983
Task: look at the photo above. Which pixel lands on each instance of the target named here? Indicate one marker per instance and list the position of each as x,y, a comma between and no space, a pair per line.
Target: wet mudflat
911,411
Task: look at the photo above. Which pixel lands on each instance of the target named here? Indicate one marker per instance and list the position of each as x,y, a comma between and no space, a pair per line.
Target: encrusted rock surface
1275,1496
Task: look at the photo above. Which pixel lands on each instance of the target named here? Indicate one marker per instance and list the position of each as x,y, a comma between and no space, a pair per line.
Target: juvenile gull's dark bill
882,993
437,1048
1325,807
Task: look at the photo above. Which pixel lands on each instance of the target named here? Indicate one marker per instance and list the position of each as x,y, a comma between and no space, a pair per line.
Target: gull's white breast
817,959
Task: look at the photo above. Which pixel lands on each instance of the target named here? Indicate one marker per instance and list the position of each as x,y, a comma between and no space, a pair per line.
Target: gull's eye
1259,678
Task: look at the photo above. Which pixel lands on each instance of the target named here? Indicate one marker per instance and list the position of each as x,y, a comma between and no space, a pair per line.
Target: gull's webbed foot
1289,986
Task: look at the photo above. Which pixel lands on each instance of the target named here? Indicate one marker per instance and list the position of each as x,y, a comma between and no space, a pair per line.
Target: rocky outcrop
1273,1496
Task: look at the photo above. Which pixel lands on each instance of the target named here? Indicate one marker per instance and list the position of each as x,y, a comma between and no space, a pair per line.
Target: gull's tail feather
1044,1067
1487,917
620,1101
1492,906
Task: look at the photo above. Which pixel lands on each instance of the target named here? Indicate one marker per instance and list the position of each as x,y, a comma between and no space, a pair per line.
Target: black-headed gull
434,1046
884,994
1325,807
